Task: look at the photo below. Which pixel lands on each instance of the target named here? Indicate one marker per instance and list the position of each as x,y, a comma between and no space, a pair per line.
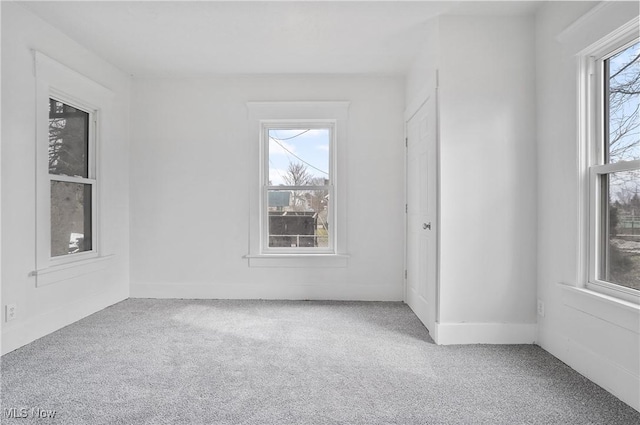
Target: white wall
598,338
45,309
190,180
487,175
422,73
488,166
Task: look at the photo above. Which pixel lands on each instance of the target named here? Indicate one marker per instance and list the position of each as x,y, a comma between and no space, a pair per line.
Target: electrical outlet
540,308
12,311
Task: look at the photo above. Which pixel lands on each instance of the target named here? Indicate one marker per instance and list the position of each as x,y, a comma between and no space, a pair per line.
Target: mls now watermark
24,413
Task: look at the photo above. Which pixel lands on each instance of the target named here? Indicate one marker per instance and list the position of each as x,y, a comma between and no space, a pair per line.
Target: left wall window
72,178
74,117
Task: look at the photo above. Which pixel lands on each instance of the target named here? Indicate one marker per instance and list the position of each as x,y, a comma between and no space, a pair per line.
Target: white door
421,213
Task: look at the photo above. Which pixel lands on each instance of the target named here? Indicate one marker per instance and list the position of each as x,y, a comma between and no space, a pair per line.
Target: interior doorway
422,209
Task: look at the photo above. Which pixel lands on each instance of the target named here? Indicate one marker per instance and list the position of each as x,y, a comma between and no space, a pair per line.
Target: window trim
298,113
55,80
591,150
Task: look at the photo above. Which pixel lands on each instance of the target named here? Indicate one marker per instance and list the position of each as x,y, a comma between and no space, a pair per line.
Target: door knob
426,226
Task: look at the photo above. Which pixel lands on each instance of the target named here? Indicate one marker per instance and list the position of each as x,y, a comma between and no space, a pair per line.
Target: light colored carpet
288,362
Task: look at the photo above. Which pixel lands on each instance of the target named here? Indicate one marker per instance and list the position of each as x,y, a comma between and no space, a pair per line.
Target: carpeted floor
287,362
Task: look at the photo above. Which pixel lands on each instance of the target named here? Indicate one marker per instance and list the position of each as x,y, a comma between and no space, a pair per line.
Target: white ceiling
189,38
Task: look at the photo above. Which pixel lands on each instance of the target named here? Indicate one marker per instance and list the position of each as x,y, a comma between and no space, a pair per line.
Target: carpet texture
287,362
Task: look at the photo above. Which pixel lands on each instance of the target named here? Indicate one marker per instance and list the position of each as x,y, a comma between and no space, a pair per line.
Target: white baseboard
345,292
614,378
485,333
44,324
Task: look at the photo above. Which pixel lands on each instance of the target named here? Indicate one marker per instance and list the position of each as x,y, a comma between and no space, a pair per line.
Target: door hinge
405,274
406,142
406,208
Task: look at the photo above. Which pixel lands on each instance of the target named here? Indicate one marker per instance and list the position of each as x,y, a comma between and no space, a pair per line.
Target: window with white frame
298,192
72,178
614,166
297,184
69,110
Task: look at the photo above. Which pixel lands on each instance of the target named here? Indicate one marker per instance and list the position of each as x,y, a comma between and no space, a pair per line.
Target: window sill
298,260
619,312
70,270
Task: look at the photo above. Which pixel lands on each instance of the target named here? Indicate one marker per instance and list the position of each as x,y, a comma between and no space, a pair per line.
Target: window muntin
72,179
297,187
615,171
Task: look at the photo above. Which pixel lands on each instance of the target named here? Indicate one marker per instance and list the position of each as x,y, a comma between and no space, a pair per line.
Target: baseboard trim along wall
614,378
270,291
485,333
44,324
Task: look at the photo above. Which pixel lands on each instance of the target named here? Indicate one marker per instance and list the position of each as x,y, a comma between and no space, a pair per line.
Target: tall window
297,187
615,169
73,113
72,179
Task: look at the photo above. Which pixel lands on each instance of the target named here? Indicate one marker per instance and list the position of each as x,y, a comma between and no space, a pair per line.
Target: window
69,109
298,191
614,167
297,187
72,179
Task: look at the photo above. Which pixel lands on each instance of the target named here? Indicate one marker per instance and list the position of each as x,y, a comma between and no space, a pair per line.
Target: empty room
320,212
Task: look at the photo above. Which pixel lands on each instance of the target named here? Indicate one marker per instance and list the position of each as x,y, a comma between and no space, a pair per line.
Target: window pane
621,229
623,118
299,157
68,140
70,218
298,218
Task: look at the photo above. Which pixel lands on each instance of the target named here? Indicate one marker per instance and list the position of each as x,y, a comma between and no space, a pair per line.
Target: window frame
593,109
297,113
267,125
56,81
